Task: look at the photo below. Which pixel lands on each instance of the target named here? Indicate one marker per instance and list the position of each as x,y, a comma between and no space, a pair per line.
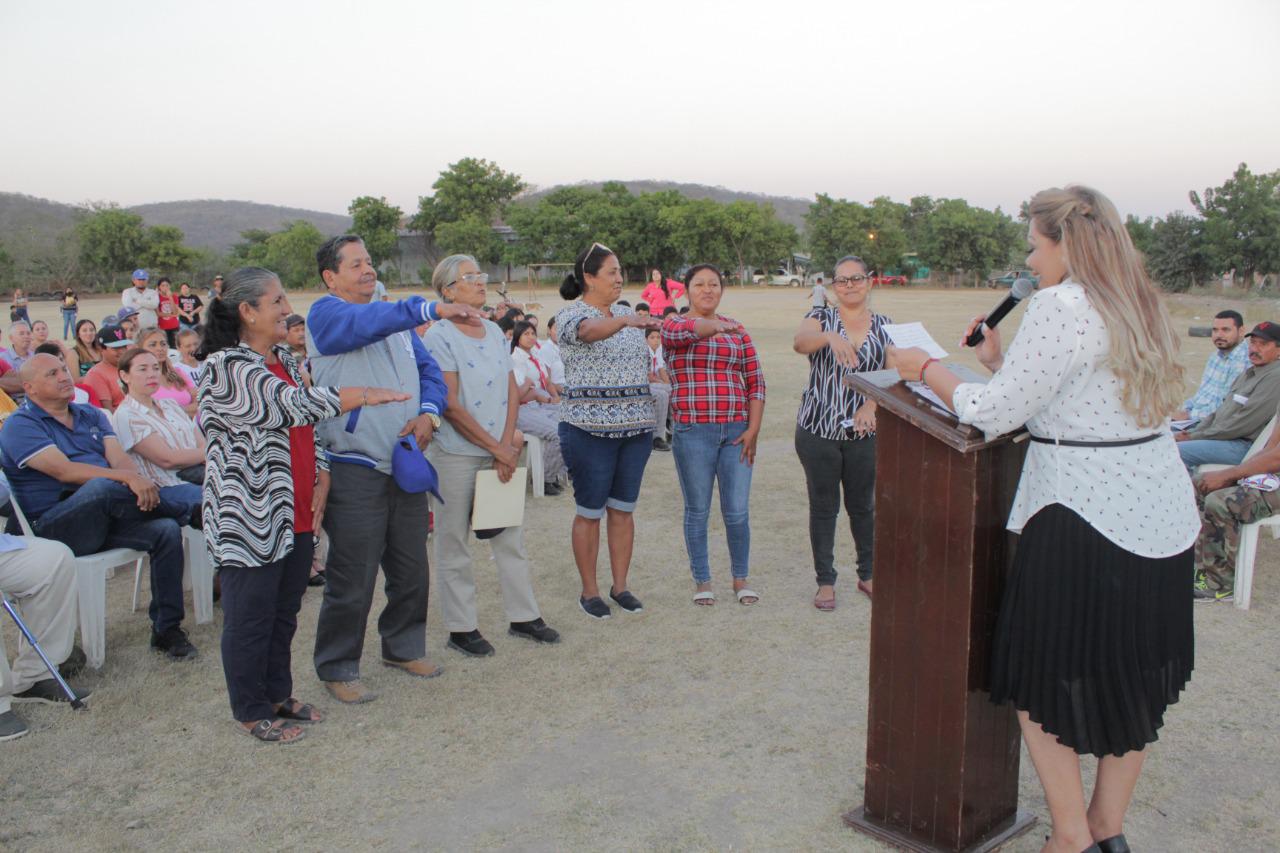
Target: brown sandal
273,731
292,709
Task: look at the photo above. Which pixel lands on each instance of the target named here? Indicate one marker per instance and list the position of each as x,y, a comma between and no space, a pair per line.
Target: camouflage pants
1221,515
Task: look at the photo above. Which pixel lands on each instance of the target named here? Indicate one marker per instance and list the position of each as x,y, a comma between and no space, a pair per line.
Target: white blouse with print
1056,381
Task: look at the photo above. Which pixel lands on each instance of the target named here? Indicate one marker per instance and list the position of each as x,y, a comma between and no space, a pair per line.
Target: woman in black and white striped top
836,427
246,412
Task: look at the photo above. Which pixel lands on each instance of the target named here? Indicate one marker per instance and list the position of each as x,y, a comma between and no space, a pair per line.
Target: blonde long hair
1101,258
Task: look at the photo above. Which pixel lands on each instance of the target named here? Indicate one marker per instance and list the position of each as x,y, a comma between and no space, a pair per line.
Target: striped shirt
135,422
827,402
247,413
712,378
1222,369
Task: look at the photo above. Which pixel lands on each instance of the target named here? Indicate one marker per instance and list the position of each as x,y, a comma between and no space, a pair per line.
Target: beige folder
498,504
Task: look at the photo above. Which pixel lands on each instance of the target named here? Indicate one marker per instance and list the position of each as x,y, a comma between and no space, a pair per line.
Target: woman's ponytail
570,288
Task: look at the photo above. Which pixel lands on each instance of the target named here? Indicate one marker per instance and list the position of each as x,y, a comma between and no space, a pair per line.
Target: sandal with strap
292,709
273,731
747,593
706,598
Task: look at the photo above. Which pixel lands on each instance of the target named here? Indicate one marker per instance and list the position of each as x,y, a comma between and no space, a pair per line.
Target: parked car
778,278
890,280
1010,277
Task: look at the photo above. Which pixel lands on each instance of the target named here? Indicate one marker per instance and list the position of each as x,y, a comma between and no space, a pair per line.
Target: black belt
1128,442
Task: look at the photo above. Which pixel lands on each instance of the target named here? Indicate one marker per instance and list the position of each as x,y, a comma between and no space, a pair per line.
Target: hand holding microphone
982,334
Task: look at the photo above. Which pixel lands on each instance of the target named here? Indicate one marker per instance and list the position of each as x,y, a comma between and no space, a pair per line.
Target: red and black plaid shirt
712,379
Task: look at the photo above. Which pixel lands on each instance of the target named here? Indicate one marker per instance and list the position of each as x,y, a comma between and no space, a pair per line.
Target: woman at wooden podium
1094,639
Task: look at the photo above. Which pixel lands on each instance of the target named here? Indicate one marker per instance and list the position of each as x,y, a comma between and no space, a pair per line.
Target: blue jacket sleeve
434,393
338,326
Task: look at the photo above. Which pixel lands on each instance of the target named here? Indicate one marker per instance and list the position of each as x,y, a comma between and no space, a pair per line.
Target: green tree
756,236
1176,256
290,253
1242,222
8,269
469,188
112,241
876,233
957,237
1141,232
700,231
470,235
378,224
165,250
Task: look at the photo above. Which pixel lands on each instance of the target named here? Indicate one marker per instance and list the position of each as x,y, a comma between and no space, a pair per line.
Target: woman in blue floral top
606,430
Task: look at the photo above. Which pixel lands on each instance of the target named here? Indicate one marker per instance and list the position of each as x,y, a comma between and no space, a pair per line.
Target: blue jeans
704,454
605,472
104,514
68,323
1206,451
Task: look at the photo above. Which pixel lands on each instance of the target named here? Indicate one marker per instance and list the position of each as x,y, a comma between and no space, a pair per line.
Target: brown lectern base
858,820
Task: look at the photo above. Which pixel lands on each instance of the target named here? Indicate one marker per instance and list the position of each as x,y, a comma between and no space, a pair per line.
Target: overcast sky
311,104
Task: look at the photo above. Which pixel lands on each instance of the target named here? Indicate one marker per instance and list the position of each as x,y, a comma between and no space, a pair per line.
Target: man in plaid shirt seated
1230,359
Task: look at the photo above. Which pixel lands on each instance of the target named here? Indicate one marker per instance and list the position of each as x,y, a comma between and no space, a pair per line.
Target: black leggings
828,465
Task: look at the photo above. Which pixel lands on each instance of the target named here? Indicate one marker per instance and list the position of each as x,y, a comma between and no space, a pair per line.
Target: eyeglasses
472,278
851,280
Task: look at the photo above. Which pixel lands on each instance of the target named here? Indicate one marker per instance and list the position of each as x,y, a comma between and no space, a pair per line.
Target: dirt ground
684,728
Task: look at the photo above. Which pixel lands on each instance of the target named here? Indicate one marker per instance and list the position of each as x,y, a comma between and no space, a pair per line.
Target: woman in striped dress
251,398
836,427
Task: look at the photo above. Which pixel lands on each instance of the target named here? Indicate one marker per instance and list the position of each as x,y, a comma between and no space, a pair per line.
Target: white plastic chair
1248,548
533,458
197,575
91,588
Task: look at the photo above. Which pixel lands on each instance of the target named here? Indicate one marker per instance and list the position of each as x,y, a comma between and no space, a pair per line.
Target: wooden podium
942,761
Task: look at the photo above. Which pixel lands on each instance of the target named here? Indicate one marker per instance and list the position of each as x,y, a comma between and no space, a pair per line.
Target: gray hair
446,272
222,327
16,323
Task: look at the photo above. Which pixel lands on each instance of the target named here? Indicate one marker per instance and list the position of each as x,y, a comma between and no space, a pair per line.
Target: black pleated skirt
1093,642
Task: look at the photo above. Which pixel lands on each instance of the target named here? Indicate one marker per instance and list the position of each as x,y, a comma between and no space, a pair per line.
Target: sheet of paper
498,504
927,393
906,335
1180,426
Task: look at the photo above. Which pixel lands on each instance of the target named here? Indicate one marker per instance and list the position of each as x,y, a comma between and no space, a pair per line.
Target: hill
789,209
216,224
206,223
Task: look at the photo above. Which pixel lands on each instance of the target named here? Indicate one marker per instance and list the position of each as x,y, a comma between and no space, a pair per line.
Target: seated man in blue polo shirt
75,484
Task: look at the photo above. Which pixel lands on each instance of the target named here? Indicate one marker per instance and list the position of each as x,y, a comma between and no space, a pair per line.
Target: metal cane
53,670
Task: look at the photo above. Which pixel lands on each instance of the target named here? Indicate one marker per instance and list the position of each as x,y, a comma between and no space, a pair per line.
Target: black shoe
661,444
470,643
174,644
316,580
74,664
47,692
552,489
537,630
627,601
1114,844
11,726
594,607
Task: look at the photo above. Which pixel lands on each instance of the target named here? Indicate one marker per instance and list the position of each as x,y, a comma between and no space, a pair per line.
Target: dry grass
682,728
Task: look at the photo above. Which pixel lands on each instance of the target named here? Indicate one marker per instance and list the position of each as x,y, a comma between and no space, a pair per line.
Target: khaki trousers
453,537
41,581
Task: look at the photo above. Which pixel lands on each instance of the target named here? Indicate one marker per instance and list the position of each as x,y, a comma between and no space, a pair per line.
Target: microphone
1021,289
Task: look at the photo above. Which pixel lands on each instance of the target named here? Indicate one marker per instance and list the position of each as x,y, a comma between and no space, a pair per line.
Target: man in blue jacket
370,519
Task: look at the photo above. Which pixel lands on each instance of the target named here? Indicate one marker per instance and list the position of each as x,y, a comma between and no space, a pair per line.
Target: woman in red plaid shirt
717,403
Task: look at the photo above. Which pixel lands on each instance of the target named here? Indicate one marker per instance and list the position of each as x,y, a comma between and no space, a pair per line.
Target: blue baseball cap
125,313
412,471
140,275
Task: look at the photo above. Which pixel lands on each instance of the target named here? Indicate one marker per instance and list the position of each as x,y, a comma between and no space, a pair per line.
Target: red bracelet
925,366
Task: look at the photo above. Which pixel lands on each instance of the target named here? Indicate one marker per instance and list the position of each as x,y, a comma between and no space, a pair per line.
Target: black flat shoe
470,643
536,630
627,601
1114,844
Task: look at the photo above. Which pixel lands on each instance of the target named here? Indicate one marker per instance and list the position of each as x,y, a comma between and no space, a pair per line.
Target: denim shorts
605,472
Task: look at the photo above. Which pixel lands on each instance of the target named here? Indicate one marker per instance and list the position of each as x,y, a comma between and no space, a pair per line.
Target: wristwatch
435,419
